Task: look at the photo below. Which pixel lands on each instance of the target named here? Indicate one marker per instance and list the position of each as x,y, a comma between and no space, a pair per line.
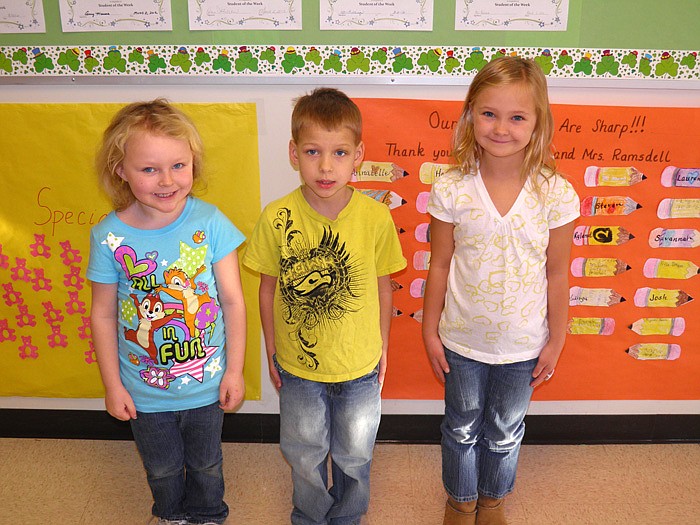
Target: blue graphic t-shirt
171,328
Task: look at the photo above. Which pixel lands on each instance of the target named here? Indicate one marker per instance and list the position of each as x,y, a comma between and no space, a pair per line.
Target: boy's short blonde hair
329,108
158,117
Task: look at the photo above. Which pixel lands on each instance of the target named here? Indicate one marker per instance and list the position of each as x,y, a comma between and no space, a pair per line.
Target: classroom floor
83,482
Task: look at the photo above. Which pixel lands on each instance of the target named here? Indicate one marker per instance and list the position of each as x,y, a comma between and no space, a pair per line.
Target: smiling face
326,160
504,119
158,170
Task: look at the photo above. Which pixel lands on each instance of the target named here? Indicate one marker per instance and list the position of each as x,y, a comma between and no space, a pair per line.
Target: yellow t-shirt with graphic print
326,304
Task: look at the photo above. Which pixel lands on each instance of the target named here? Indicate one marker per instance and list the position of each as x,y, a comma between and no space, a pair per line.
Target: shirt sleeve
565,205
389,258
101,265
441,201
263,252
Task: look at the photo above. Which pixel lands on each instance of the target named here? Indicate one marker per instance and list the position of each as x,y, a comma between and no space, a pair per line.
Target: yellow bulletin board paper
45,340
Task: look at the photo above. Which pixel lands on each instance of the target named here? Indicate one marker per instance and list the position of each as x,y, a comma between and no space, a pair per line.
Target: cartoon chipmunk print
182,288
152,317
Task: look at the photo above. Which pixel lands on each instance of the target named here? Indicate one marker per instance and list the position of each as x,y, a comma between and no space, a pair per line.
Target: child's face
504,119
326,160
158,170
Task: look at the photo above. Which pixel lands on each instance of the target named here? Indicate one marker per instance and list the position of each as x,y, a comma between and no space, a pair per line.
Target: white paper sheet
511,15
244,14
115,15
26,16
377,15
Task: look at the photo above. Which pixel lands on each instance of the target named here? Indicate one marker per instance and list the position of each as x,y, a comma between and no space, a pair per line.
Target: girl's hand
119,404
545,365
436,355
231,390
274,374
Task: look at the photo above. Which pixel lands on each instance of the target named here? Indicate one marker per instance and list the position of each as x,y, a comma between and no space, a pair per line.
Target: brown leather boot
457,517
491,515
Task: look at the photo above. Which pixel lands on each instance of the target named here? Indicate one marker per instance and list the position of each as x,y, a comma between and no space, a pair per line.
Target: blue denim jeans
483,427
318,420
181,452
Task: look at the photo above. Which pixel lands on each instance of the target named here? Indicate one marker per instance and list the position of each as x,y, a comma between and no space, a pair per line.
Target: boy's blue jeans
483,427
181,452
322,419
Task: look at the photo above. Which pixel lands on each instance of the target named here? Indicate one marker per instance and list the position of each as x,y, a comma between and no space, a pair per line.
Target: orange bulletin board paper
52,201
412,136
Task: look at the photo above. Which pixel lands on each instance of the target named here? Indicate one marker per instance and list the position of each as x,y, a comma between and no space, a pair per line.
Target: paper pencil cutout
679,209
670,269
680,177
430,171
660,298
607,176
387,197
598,267
670,238
421,260
417,315
422,201
370,171
396,312
601,235
423,232
591,326
674,326
594,297
614,205
417,288
654,351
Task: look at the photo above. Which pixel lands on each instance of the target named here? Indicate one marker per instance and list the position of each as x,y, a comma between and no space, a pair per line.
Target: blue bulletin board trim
362,61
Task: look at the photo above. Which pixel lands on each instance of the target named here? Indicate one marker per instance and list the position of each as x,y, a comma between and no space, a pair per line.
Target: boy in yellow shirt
325,254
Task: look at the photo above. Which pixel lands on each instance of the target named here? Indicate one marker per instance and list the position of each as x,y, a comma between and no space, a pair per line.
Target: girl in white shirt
496,298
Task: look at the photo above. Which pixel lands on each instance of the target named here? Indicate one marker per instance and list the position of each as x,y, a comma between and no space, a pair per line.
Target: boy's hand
436,355
382,371
119,404
231,390
274,374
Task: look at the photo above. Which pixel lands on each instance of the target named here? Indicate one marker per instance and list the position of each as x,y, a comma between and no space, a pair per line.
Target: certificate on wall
511,15
22,17
377,15
115,15
244,14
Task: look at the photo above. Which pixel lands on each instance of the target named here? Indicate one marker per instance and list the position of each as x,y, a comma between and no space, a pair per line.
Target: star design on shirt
112,241
214,367
190,258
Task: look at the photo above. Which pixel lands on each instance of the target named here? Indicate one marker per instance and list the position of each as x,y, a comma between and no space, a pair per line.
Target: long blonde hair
539,158
158,117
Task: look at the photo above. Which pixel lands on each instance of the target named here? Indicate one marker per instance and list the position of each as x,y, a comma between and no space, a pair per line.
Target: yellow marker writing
679,209
608,176
597,267
654,351
674,326
670,269
591,326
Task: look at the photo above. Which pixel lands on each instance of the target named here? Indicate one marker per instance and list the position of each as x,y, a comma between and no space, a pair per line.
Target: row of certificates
27,16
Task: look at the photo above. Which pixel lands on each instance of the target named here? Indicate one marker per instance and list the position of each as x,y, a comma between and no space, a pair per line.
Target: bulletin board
409,88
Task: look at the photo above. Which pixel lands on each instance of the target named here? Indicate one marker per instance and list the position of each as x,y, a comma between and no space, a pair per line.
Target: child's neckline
165,226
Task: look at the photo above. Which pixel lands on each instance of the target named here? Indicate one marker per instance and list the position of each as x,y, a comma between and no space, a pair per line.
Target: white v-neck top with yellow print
496,302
